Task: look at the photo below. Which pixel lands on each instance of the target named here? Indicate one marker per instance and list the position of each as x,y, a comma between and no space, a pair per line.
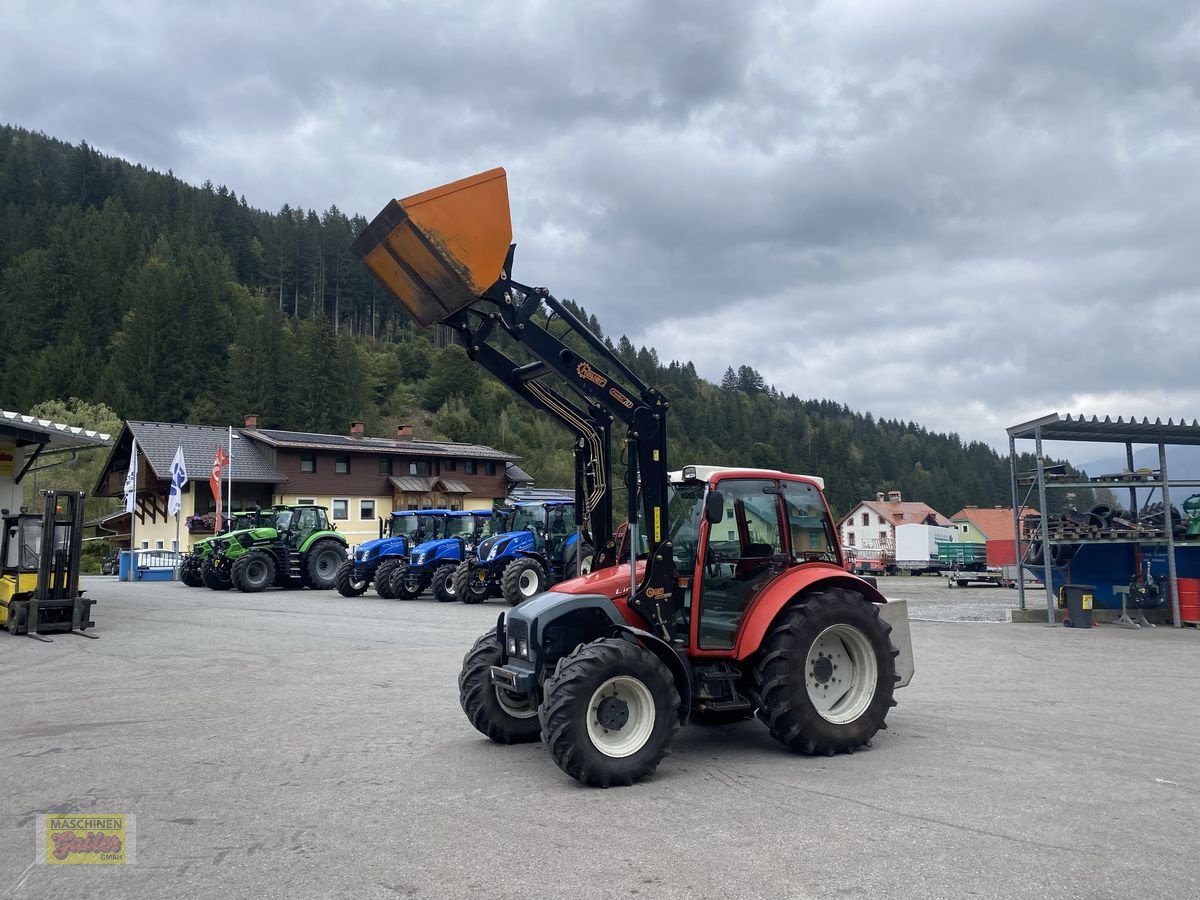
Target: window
306,501
308,462
866,519
366,510
341,465
449,465
385,465
419,467
341,509
158,545
883,538
490,467
145,545
850,538
469,467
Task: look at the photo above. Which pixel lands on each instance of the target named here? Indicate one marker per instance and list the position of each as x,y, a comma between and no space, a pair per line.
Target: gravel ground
930,599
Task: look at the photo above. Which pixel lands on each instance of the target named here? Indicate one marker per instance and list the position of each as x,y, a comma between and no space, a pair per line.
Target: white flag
131,480
179,478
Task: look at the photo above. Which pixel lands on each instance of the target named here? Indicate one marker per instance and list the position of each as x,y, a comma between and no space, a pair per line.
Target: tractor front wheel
321,564
213,579
610,712
469,583
253,572
826,672
442,584
504,716
523,578
348,582
405,585
383,578
189,573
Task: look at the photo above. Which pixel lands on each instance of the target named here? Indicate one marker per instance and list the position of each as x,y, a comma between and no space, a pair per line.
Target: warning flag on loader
179,478
214,482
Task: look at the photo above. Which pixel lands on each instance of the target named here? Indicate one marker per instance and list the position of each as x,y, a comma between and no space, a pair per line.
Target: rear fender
322,536
784,590
679,671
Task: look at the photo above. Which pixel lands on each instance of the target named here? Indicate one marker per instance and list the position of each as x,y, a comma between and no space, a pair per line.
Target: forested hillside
165,301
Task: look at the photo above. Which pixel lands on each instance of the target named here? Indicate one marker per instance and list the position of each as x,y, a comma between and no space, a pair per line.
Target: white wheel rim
840,674
586,566
448,586
528,583
633,734
523,710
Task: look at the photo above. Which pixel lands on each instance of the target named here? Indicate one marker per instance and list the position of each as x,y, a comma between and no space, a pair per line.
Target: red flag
214,483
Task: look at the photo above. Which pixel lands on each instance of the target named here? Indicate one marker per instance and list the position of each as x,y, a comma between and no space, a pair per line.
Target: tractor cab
550,522
295,524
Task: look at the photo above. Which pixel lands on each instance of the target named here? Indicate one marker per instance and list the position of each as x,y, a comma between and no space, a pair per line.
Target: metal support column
1041,482
1169,525
1012,474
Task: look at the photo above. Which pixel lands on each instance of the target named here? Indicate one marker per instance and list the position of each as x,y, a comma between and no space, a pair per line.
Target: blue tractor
540,549
431,564
375,560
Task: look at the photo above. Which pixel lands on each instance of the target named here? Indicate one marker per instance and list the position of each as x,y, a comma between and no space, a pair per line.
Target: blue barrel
124,566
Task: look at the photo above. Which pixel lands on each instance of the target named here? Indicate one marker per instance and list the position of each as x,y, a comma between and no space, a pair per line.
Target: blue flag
179,478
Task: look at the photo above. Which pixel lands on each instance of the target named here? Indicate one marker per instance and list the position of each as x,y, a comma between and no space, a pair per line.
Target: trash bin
1078,600
124,566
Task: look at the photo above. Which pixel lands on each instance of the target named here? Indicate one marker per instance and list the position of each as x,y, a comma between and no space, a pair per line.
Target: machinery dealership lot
290,744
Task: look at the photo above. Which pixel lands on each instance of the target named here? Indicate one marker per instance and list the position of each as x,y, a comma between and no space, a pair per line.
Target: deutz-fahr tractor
539,549
431,564
298,549
193,562
39,569
742,605
377,560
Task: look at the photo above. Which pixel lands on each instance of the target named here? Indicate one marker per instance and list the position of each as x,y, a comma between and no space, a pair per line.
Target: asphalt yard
298,744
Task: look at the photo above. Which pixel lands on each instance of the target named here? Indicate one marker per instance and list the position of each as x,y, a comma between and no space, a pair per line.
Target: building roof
532,494
305,441
993,522
423,485
28,430
1080,428
904,512
516,474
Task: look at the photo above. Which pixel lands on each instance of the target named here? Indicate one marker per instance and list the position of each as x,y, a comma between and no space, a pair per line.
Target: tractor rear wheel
213,579
570,561
523,578
505,717
383,578
610,712
825,673
443,584
321,564
347,582
253,572
469,585
406,586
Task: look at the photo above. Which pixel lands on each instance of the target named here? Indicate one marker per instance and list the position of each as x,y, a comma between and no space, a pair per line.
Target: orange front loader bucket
437,251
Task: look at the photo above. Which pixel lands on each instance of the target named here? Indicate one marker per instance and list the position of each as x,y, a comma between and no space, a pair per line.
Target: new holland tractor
193,562
431,564
298,549
742,605
539,549
375,560
39,569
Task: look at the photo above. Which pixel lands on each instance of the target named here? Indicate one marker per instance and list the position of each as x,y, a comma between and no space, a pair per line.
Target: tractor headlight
512,646
492,553
523,649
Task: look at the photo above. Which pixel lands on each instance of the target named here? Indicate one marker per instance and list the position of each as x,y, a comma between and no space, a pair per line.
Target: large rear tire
825,674
383,578
610,712
523,578
470,586
253,572
442,584
321,563
505,717
347,582
570,564
214,580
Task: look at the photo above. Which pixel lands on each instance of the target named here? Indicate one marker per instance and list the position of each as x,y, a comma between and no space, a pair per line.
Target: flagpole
230,501
133,511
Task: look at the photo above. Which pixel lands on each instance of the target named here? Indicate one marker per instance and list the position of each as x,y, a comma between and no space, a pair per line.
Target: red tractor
734,601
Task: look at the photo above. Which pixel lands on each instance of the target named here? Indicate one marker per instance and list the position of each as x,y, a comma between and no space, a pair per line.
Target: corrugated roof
528,494
995,523
159,440
62,437
1054,427
449,486
412,483
307,441
517,475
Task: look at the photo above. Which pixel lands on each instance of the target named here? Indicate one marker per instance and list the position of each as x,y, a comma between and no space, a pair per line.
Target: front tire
383,578
469,587
406,586
825,673
348,582
321,564
214,580
443,584
610,712
523,578
505,717
253,572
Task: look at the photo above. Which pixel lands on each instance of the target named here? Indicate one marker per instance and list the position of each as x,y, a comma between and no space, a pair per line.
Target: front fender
784,590
660,648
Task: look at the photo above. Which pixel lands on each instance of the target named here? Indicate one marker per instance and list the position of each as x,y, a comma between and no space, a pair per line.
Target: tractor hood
389,545
434,549
504,544
611,582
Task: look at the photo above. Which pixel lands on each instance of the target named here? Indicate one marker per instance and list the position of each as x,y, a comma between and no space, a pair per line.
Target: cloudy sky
966,214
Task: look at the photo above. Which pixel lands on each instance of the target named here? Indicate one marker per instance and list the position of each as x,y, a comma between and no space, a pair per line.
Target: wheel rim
586,566
527,584
620,716
519,706
448,586
256,571
840,674
328,562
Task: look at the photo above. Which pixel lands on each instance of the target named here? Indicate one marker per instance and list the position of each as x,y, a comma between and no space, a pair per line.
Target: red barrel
1189,599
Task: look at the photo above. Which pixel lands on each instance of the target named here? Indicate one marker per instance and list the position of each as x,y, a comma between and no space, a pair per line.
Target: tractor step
723,706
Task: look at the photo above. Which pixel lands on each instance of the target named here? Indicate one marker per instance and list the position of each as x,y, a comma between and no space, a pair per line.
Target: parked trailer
917,549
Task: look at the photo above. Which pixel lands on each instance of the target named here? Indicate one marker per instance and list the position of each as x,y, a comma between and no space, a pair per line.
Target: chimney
879,497
356,429
251,421
894,497
404,433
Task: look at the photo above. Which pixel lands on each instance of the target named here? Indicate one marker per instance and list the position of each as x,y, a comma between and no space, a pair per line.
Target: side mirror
714,507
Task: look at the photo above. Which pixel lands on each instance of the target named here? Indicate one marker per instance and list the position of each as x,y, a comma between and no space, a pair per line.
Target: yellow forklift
39,569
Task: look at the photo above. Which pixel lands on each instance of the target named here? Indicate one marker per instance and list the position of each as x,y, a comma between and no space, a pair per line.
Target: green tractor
190,570
299,549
